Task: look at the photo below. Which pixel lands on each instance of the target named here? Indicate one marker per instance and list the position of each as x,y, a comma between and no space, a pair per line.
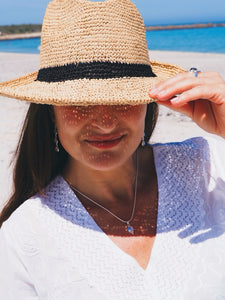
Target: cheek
72,115
134,115
76,116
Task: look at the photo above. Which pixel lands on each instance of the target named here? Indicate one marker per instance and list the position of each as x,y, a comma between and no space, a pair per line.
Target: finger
199,92
175,88
213,78
164,84
171,81
212,75
180,86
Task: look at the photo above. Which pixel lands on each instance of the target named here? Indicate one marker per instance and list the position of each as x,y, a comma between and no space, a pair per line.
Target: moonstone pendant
130,229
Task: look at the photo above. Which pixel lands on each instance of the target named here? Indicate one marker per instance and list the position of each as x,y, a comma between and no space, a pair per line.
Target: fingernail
175,100
162,93
153,91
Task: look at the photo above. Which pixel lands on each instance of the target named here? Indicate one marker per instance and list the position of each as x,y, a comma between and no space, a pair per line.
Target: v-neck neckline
111,243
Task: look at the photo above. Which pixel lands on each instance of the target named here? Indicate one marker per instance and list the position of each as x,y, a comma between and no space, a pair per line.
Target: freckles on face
90,133
129,112
109,116
72,115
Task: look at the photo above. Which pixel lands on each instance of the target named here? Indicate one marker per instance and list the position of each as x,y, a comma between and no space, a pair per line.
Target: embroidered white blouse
51,248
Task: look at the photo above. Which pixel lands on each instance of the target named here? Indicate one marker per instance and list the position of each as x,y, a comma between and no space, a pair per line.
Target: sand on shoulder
12,112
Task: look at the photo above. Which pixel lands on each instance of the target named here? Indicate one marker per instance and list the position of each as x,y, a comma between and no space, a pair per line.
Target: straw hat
91,53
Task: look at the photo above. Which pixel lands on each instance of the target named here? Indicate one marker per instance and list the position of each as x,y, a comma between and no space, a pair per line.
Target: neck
108,187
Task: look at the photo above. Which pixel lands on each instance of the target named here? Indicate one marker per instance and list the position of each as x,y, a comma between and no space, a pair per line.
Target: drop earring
56,140
143,143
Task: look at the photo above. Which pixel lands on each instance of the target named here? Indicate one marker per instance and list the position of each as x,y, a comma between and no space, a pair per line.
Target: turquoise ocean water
211,40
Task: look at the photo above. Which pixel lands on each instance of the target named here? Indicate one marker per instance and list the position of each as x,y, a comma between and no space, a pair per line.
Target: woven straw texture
84,31
107,41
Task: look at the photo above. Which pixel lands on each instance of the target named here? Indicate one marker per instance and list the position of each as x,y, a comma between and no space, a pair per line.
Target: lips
104,142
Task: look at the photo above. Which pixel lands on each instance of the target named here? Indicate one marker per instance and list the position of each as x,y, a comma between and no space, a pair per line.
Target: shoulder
186,157
217,157
195,145
215,207
25,226
195,171
39,217
20,230
202,151
203,157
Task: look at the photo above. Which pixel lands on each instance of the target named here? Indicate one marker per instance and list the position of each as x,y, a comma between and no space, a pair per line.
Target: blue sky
154,12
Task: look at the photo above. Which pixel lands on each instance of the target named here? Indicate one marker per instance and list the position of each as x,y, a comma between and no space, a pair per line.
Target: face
101,137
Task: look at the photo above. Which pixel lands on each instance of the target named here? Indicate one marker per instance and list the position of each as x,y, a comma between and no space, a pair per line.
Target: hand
201,98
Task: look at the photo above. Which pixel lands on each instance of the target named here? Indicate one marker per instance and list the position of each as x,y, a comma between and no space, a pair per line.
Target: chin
105,161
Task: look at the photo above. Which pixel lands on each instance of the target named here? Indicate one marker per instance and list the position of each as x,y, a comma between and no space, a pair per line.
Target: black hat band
94,70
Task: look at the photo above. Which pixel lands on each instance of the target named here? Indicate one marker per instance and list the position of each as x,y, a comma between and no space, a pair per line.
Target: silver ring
195,71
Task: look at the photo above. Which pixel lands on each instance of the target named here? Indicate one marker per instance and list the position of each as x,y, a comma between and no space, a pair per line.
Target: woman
97,212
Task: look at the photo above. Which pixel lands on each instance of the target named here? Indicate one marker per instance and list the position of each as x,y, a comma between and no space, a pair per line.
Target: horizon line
146,25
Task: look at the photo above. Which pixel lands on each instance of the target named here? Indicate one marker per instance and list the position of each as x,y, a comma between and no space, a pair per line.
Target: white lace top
51,248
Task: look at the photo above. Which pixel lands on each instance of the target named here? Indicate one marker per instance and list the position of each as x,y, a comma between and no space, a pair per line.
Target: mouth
104,142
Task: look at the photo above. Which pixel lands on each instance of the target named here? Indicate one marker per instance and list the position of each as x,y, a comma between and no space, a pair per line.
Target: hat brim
115,91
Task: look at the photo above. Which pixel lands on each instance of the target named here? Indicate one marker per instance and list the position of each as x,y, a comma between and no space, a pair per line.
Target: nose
105,118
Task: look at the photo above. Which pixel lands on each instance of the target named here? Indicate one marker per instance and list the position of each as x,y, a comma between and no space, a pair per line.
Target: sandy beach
20,36
171,126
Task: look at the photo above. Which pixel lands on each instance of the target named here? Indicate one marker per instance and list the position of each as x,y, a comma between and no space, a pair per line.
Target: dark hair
150,120
37,162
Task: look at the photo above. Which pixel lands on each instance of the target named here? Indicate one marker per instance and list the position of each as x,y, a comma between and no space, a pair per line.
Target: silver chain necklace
130,228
